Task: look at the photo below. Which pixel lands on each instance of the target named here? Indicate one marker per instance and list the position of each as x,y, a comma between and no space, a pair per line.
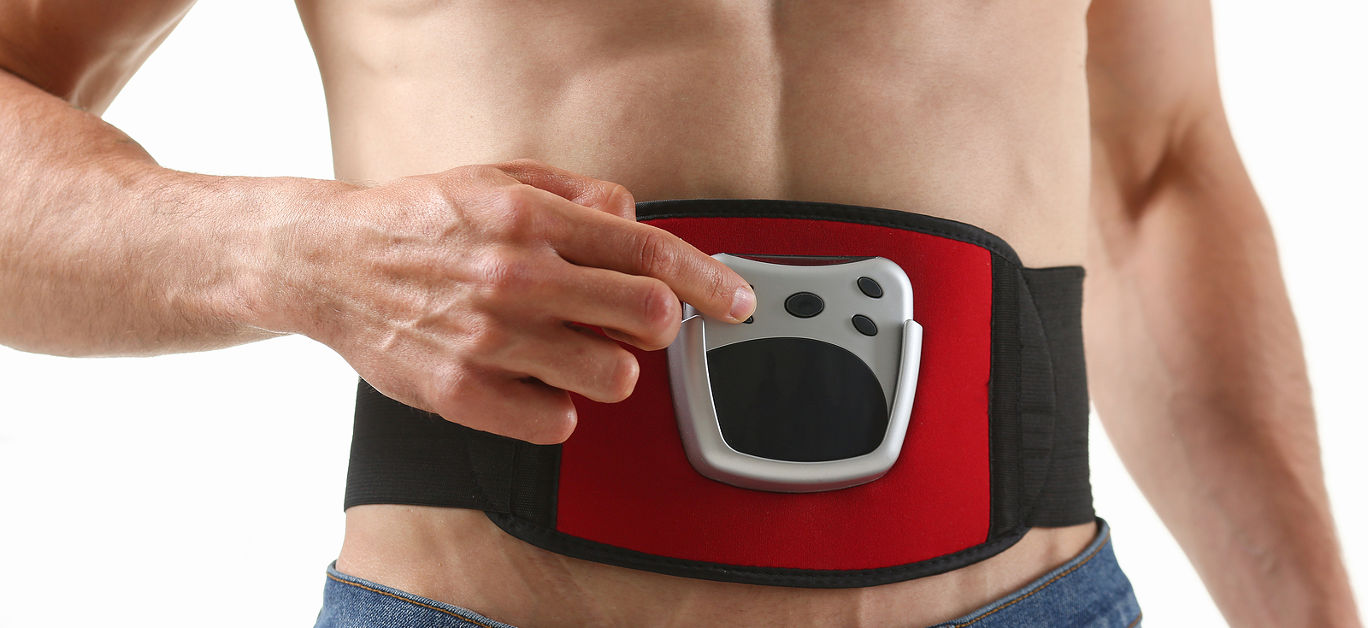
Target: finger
511,405
574,359
594,193
643,309
599,240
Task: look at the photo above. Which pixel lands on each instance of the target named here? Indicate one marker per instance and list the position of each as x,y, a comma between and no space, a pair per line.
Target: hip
454,558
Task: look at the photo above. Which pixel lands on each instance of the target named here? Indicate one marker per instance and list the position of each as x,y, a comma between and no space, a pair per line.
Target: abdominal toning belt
996,444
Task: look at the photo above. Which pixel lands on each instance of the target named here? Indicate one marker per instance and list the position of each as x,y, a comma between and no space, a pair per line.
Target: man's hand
465,293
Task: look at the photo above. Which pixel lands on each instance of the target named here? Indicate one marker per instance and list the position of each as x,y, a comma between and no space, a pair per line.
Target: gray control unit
812,393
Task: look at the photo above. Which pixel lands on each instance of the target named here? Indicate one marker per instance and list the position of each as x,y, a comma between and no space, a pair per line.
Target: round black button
864,325
871,288
804,304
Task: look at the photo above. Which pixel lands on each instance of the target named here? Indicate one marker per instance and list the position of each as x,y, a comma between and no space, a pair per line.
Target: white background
207,488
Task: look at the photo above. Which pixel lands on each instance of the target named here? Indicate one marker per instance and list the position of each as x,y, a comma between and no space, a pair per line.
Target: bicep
81,51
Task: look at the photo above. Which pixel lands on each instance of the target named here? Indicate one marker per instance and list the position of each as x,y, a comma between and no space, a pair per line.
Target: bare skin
1081,135
868,105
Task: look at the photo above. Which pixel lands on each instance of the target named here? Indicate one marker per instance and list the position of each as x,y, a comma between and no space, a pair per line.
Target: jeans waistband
1089,590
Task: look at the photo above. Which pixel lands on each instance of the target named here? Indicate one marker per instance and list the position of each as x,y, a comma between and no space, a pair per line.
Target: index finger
592,238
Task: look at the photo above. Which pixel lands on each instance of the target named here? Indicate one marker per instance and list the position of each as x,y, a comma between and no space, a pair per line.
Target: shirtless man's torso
1047,124
977,113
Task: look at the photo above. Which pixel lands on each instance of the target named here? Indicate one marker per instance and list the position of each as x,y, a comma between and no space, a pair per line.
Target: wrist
298,233
260,231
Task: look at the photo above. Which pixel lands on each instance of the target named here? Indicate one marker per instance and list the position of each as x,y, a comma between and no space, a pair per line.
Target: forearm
104,253
1200,381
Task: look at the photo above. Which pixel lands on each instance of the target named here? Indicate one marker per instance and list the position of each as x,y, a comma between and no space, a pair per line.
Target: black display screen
796,399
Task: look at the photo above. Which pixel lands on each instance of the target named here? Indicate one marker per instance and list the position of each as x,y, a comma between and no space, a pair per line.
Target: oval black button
804,304
864,325
871,288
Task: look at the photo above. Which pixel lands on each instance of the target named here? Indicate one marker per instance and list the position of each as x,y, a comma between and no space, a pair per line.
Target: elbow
1193,190
83,79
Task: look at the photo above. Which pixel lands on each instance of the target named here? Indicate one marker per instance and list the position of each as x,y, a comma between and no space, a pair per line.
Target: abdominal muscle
975,112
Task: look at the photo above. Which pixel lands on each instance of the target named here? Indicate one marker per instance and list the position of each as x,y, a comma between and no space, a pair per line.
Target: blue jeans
1089,590
351,602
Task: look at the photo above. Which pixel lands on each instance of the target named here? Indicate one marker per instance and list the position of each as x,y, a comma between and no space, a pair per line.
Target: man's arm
465,293
1194,358
101,251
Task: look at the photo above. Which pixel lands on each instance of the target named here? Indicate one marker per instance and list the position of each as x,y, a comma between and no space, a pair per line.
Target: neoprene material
997,441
